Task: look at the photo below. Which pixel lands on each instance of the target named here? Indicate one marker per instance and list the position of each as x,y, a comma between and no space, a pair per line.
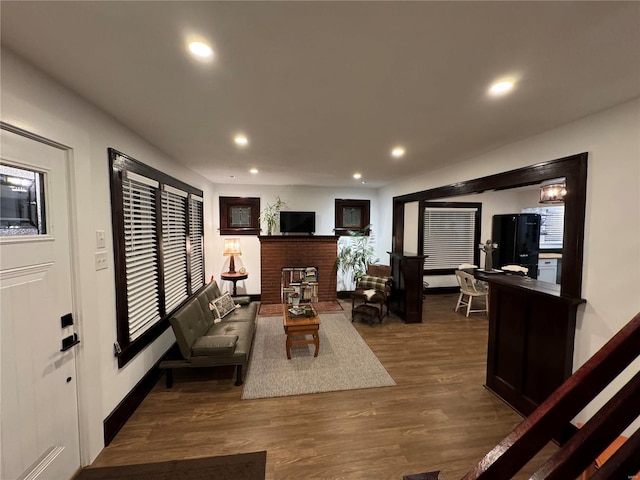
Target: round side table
234,277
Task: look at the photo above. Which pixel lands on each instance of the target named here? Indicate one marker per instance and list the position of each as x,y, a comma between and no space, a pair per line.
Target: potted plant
270,214
355,256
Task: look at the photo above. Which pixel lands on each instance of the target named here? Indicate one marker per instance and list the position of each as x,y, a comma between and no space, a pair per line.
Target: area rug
271,309
244,466
344,361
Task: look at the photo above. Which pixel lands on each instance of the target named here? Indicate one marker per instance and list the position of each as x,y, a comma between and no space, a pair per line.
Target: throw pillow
223,306
367,282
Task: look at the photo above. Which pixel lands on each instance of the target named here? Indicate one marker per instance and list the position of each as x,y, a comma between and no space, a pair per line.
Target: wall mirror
573,169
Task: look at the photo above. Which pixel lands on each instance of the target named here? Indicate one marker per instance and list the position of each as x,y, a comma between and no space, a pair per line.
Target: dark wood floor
438,416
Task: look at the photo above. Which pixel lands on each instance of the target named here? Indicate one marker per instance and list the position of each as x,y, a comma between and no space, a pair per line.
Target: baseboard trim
119,416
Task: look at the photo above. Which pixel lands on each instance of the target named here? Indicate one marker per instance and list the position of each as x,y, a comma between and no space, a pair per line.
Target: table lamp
231,248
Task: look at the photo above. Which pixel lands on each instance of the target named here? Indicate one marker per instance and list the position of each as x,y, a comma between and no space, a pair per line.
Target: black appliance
297,222
518,239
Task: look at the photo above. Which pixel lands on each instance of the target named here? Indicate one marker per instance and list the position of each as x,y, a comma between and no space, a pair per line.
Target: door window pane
240,216
22,208
352,217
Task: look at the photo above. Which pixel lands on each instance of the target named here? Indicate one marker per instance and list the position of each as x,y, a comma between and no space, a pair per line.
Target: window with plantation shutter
450,235
174,246
141,252
158,250
551,226
196,246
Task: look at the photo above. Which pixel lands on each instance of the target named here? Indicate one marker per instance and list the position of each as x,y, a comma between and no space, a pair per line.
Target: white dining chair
470,289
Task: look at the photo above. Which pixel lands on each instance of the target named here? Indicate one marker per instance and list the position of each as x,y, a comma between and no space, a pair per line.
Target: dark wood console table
234,277
407,271
531,337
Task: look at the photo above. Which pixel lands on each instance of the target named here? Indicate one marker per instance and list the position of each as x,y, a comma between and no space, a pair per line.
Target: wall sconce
231,248
553,192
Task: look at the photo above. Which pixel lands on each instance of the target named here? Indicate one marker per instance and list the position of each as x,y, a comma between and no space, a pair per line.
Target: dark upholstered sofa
206,341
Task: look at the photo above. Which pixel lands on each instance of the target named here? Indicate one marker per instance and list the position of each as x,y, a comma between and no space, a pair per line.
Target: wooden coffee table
297,327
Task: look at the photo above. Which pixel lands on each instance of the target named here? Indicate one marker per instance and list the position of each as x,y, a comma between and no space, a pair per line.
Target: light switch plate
101,260
100,240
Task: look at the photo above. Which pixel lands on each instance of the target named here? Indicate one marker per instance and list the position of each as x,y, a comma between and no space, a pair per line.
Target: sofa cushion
243,313
223,306
188,324
206,296
241,329
242,300
211,345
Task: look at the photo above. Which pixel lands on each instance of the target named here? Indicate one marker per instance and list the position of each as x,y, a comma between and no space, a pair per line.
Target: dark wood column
407,271
531,338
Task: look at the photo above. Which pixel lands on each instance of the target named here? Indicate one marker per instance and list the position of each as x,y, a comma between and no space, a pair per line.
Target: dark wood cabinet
531,337
406,296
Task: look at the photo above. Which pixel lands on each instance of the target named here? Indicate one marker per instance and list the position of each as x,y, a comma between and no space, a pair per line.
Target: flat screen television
298,222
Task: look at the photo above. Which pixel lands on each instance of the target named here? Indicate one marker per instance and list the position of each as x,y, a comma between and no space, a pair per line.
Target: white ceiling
324,89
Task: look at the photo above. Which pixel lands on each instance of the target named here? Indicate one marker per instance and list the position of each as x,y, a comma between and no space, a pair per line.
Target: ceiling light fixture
501,87
553,191
357,176
200,49
253,171
241,140
397,152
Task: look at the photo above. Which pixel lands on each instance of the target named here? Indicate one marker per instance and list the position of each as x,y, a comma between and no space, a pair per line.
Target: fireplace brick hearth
277,252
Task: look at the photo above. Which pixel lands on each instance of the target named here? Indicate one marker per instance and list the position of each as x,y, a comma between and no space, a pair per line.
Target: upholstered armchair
374,288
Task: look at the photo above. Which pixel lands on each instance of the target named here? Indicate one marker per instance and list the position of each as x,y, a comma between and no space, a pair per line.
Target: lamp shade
232,246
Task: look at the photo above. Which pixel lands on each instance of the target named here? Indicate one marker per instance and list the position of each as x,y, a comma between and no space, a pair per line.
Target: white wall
411,223
33,102
298,198
612,233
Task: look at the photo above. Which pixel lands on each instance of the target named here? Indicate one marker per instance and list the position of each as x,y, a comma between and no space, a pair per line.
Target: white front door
38,392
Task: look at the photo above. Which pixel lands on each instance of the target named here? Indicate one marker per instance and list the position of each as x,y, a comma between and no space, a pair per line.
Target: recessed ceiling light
253,170
200,49
501,87
397,152
357,176
364,181
241,140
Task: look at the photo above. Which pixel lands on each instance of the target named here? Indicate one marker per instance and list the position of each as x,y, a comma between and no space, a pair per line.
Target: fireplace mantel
280,251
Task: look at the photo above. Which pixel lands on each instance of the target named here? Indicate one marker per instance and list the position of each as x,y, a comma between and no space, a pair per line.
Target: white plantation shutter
552,225
449,237
141,253
196,254
174,246
552,234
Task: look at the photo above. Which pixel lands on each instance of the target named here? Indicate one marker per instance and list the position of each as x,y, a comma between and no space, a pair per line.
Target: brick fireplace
278,252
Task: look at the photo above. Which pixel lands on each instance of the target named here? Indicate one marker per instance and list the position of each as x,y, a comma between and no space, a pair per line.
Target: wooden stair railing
545,423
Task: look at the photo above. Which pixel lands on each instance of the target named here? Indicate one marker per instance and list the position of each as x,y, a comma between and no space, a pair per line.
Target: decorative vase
295,301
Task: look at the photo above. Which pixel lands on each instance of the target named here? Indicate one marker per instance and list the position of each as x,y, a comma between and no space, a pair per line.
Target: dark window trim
226,203
341,203
476,253
119,162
